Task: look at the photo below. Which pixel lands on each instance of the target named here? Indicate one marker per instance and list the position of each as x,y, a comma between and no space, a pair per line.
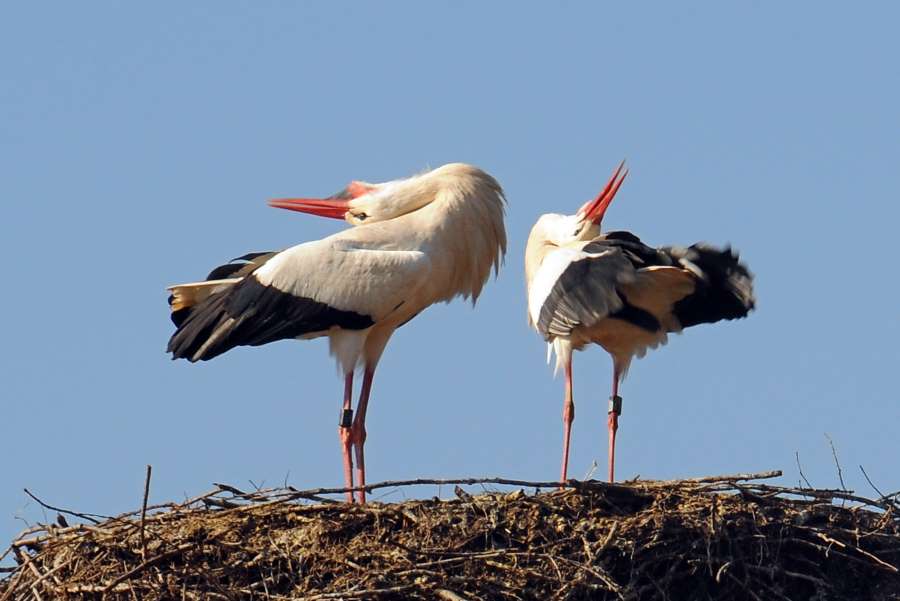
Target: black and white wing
306,290
183,297
578,286
617,276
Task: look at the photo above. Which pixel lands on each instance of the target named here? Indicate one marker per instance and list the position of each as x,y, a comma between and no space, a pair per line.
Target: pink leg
359,430
615,408
568,417
344,432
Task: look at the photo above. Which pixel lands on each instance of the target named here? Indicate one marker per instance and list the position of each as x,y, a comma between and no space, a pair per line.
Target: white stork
417,241
612,289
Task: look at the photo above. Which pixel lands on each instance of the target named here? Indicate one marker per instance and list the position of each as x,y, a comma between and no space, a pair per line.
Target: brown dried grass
714,538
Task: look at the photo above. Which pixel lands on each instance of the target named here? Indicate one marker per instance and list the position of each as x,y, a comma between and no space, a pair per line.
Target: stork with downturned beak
416,242
610,288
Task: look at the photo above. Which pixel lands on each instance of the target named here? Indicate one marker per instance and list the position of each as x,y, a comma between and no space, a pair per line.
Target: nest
709,538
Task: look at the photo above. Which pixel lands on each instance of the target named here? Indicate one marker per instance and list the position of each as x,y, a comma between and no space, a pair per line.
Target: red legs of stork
358,431
568,417
344,432
352,432
615,410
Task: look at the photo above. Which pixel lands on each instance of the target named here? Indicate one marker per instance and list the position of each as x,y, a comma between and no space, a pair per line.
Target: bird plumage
414,242
626,296
611,289
380,273
183,297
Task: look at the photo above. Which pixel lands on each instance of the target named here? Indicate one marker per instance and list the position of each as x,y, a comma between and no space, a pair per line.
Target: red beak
595,209
335,208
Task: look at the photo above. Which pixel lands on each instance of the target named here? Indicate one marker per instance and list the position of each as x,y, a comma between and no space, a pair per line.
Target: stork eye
361,216
578,230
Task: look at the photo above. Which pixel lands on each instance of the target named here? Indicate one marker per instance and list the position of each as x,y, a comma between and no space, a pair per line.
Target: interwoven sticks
709,538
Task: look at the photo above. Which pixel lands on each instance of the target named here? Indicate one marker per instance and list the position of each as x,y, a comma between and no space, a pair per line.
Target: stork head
561,230
361,203
554,230
591,213
349,204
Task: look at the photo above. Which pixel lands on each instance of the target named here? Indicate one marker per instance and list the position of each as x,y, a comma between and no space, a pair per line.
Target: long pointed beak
335,208
595,209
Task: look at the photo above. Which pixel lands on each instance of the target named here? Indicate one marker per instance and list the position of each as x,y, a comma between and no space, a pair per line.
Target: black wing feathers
639,254
724,287
725,290
240,266
250,314
236,268
585,292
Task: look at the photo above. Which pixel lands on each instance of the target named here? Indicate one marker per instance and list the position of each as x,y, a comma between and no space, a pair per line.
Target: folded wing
304,291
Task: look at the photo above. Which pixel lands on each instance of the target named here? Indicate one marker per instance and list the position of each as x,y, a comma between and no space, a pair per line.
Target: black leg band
615,405
346,418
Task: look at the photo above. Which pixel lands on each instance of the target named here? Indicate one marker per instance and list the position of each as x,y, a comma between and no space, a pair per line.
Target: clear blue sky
139,144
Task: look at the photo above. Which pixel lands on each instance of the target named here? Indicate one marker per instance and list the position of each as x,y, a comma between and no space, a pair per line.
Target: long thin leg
359,430
568,417
344,433
615,409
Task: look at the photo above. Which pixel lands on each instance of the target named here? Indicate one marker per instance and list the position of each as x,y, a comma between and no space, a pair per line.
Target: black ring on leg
615,405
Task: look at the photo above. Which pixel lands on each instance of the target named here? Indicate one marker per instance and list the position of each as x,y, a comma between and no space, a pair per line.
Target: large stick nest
711,538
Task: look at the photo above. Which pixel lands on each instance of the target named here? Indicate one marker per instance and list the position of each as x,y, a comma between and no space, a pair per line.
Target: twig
800,469
448,595
24,558
144,565
597,571
829,494
144,512
771,570
734,477
233,490
52,571
355,594
302,494
874,558
84,516
875,488
12,585
576,484
274,495
836,462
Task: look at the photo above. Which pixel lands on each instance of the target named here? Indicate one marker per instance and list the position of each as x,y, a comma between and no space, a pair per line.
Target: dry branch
144,511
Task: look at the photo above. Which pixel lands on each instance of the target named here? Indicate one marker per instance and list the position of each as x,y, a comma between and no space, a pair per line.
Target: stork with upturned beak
415,242
610,288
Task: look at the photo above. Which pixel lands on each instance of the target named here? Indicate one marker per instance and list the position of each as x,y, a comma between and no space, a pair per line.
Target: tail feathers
184,297
199,328
724,287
